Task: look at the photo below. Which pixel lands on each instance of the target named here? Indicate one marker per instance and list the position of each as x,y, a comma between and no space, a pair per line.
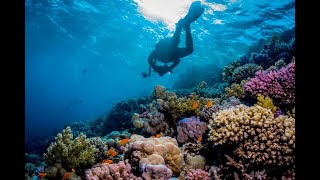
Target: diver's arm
174,64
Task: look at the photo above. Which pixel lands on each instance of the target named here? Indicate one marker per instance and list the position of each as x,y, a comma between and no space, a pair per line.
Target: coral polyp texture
261,138
120,170
197,174
278,85
190,128
150,122
244,72
166,147
71,152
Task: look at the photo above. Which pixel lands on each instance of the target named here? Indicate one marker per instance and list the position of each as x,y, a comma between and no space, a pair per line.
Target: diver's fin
195,11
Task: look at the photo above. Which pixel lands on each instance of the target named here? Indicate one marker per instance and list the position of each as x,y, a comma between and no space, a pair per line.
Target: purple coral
120,170
278,85
159,171
197,174
190,128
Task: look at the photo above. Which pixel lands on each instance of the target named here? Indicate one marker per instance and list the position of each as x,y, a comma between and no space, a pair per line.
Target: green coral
71,152
228,70
236,90
244,72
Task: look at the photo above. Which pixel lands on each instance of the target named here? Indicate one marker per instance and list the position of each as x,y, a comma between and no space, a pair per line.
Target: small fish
158,135
65,176
109,152
113,154
124,141
209,104
108,161
42,175
200,138
195,105
73,171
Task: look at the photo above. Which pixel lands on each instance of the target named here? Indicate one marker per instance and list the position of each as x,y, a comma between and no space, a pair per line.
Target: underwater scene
159,89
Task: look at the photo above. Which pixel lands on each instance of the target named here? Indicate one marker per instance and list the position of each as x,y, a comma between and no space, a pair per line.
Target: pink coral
190,128
157,171
120,170
278,85
197,174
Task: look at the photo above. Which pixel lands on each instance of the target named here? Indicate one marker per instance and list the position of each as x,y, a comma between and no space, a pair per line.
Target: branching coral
261,139
166,147
278,85
244,72
120,170
71,152
266,102
190,128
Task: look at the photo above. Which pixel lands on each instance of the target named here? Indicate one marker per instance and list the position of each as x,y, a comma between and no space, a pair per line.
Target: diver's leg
177,33
182,52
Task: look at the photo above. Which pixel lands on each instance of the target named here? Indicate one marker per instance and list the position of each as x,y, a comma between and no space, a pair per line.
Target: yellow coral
266,102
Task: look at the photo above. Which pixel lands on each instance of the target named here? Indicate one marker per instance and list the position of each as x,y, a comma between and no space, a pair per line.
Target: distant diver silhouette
167,50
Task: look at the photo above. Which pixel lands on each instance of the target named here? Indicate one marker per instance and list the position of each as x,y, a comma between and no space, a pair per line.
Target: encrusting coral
71,152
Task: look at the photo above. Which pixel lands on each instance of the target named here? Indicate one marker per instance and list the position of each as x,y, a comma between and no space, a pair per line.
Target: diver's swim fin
195,11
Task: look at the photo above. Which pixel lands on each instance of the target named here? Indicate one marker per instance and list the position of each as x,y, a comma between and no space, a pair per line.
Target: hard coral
71,152
190,128
167,147
120,170
266,102
197,174
278,85
261,138
244,72
151,123
236,90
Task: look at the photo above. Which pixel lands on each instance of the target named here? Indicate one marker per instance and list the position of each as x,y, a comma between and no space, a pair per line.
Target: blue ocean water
83,56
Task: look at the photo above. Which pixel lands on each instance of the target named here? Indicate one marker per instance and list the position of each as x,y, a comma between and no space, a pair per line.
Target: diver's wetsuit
170,52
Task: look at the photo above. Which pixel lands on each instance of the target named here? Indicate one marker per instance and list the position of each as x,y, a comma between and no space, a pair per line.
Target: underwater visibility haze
84,61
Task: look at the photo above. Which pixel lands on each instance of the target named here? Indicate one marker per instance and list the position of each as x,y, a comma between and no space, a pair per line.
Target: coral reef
71,152
228,70
278,85
195,162
261,139
150,122
197,174
236,90
244,72
120,170
274,50
153,167
119,118
266,102
166,147
190,128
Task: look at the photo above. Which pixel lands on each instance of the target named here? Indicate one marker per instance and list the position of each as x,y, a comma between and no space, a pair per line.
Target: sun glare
167,11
